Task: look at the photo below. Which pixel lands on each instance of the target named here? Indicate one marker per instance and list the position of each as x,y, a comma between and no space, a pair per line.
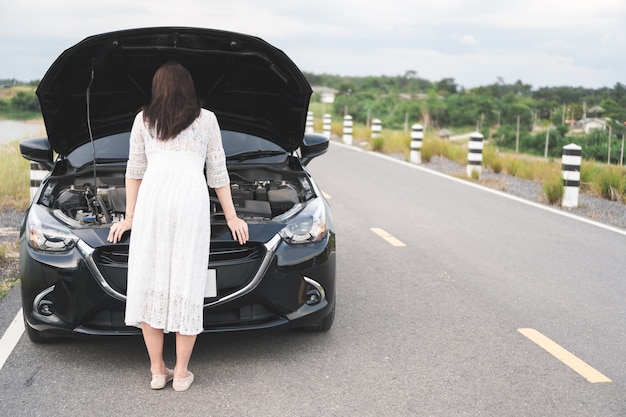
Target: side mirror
37,150
313,145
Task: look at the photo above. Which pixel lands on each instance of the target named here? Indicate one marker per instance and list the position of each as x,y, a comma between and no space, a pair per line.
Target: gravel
590,206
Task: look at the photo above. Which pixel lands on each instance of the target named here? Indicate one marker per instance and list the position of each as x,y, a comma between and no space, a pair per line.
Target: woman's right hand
118,229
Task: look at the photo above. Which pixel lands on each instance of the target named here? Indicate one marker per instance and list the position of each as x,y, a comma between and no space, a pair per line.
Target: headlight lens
307,226
48,236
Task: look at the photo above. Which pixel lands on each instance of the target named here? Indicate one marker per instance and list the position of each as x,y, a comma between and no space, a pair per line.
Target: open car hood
101,83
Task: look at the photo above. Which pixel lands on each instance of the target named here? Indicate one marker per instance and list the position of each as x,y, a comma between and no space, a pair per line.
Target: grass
492,160
15,194
432,146
9,282
391,142
6,285
15,174
553,185
607,181
611,183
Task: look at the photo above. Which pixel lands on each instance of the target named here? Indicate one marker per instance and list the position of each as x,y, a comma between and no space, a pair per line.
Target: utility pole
621,153
517,136
545,151
608,154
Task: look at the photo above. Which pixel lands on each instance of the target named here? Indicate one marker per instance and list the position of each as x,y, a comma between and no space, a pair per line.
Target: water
11,130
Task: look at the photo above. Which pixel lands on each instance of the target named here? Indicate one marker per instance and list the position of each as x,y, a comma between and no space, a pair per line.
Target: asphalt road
431,328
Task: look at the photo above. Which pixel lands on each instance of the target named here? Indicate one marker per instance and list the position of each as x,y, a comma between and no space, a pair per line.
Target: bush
492,160
612,183
553,187
14,171
514,166
25,102
378,144
589,171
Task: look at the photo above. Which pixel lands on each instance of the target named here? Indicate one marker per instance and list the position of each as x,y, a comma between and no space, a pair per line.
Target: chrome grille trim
269,254
87,253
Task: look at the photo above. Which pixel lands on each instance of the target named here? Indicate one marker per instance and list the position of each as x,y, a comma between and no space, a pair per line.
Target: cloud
469,40
576,43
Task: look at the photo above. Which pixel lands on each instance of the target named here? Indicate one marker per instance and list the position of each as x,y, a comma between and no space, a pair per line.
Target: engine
80,206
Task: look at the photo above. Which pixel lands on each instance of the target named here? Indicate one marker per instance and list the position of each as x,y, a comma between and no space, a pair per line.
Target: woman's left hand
239,229
118,229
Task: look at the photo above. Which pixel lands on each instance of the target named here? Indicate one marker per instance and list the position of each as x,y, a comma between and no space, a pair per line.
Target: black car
73,281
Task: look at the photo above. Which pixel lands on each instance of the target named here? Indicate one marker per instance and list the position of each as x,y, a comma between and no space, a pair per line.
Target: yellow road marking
569,359
326,196
392,240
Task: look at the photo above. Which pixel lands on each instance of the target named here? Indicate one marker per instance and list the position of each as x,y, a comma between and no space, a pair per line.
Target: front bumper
74,294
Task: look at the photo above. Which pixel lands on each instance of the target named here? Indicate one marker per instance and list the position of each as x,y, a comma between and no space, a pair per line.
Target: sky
544,43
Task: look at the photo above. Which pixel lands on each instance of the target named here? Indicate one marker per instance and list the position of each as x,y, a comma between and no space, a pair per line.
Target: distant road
462,136
11,130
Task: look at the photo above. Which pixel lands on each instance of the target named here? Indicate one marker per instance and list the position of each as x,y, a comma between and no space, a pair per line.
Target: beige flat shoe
182,384
160,381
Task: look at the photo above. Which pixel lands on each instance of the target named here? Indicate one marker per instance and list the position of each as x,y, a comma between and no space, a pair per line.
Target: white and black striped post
327,122
309,122
417,134
347,129
37,174
377,127
475,154
570,167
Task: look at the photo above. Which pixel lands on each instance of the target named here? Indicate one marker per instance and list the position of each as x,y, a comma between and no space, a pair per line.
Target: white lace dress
169,245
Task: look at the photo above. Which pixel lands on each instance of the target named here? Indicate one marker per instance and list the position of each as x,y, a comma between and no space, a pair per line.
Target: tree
24,102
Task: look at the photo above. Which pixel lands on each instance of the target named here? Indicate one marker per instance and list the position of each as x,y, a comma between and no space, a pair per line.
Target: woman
167,207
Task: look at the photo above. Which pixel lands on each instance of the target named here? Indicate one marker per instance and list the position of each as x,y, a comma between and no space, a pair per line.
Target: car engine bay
74,201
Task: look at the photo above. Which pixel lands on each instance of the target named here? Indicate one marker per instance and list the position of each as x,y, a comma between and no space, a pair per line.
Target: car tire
324,325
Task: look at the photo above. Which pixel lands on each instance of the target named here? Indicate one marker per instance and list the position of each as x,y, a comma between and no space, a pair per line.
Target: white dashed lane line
11,337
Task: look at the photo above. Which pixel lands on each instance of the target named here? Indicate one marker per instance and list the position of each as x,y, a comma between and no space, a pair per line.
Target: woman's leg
154,343
184,347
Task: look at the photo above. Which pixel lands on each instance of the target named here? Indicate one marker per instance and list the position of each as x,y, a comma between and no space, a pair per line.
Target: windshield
114,148
241,146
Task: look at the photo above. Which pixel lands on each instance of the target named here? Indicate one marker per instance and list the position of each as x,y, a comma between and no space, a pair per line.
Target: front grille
242,316
235,265
247,316
112,262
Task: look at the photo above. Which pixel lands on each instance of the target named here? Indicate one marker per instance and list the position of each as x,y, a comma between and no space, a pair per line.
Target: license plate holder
210,287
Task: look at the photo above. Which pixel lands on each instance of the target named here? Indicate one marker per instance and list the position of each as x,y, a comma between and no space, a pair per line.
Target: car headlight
47,236
307,226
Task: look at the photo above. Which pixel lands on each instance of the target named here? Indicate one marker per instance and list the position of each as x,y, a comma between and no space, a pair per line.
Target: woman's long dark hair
174,105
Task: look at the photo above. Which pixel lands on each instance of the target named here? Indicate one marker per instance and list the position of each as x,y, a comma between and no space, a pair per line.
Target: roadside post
309,122
570,167
327,123
475,154
377,127
37,174
417,134
347,129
